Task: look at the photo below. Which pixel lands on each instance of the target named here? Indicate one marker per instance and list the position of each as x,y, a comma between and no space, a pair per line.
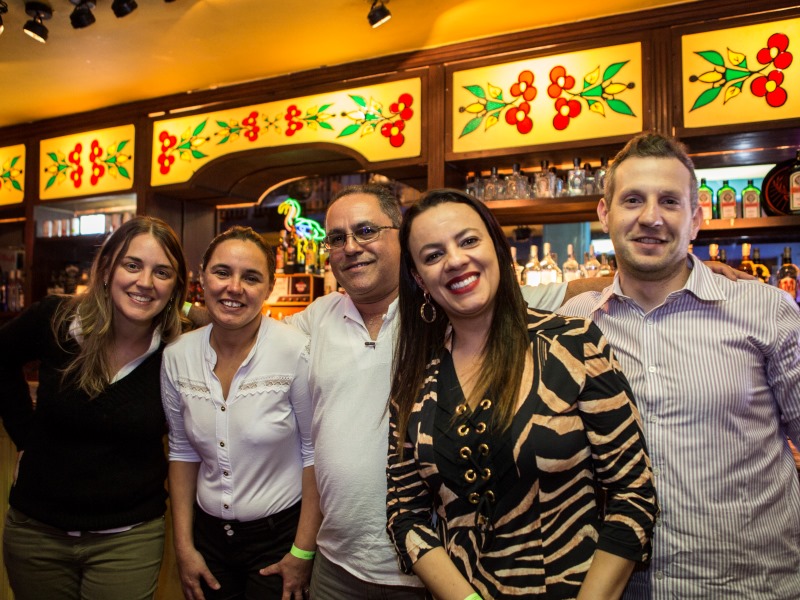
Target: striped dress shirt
715,372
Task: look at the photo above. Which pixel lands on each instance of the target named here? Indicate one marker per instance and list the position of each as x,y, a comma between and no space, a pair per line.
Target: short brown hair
651,144
387,200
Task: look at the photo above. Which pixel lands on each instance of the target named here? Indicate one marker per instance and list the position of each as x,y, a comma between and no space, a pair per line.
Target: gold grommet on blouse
487,472
461,409
474,497
484,449
470,476
480,427
486,404
490,495
463,430
465,452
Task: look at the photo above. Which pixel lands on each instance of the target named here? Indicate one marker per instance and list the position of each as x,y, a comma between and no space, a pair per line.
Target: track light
122,8
378,14
3,10
39,11
82,16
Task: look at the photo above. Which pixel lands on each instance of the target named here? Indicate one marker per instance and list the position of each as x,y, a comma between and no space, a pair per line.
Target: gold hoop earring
427,309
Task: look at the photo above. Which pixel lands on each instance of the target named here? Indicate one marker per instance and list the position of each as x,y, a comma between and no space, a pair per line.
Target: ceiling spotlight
122,8
378,14
3,10
39,11
82,16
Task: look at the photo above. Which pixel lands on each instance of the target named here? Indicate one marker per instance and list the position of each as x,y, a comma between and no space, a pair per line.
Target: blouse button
222,408
222,444
225,473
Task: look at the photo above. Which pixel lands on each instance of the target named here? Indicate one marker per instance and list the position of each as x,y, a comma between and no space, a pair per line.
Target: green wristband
187,306
474,596
302,554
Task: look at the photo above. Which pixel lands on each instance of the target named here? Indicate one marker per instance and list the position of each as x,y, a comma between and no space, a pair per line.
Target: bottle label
789,285
794,191
727,205
704,200
751,204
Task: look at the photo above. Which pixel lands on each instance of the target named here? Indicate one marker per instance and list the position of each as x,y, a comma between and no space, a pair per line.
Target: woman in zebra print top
507,426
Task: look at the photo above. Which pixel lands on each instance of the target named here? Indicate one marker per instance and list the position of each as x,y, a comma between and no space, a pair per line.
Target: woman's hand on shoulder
191,568
296,573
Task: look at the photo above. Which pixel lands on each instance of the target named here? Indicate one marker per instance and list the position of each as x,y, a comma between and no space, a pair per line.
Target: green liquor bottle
726,201
705,197
751,201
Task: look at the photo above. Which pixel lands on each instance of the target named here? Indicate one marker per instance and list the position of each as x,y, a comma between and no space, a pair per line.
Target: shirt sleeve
547,296
621,463
21,342
409,502
301,320
180,449
300,397
783,365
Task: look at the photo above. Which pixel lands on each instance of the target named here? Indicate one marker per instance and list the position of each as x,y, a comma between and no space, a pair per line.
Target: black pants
234,551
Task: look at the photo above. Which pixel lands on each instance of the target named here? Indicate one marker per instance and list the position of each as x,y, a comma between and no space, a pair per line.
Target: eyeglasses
362,235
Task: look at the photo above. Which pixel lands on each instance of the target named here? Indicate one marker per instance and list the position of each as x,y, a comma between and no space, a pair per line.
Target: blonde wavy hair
91,366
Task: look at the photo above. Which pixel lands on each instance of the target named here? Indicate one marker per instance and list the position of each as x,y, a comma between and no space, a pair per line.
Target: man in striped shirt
715,369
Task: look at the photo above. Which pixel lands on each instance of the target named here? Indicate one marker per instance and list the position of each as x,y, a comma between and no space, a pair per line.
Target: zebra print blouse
517,512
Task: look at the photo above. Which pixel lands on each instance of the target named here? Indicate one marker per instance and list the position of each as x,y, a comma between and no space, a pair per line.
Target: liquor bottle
751,201
550,272
494,188
760,270
13,292
723,256
556,183
329,281
474,186
311,257
290,258
576,179
794,185
726,200
605,268
572,270
533,272
542,182
788,273
600,176
591,266
518,268
280,252
705,198
588,186
516,183
746,266
713,252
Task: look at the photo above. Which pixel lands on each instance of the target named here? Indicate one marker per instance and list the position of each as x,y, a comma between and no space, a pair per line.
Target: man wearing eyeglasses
352,337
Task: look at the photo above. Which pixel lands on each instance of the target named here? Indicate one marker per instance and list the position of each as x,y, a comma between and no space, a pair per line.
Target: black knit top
89,464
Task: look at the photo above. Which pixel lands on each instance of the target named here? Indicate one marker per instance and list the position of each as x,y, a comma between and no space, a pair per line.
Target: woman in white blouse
239,410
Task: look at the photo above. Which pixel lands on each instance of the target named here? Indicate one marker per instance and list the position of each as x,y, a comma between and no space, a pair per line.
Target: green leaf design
712,56
360,101
371,117
223,140
743,64
184,146
323,108
111,160
594,91
198,154
619,106
492,105
121,145
15,184
734,74
325,125
222,124
476,91
612,70
349,130
62,168
590,102
50,182
738,84
14,160
471,126
53,156
706,97
199,128
124,172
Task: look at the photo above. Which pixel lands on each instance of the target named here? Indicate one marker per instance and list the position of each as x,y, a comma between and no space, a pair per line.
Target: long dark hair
91,366
503,357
